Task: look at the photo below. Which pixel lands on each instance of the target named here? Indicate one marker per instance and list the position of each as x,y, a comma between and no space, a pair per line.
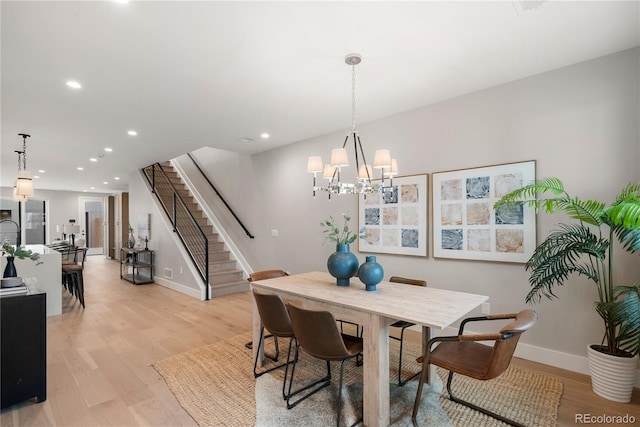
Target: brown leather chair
318,335
404,325
463,354
264,275
275,319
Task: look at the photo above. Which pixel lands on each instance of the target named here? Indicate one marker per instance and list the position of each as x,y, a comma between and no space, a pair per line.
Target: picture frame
144,227
465,225
396,222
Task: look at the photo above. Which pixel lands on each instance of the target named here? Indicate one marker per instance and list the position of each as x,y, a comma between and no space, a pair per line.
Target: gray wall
579,123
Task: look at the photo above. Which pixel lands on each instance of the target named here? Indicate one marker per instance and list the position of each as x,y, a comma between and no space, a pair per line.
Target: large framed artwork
465,225
396,222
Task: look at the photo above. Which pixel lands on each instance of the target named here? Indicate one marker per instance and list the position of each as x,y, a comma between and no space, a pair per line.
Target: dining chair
264,275
318,335
275,319
465,355
72,275
404,325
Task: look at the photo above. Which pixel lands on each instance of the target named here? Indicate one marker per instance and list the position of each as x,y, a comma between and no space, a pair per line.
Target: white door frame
81,221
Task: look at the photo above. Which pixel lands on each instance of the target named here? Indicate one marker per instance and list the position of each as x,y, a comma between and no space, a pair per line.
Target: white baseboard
558,359
195,293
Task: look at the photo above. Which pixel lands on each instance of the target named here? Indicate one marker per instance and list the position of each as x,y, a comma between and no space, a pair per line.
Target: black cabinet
23,353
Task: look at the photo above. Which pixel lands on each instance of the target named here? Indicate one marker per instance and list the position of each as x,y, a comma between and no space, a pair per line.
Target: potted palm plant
586,248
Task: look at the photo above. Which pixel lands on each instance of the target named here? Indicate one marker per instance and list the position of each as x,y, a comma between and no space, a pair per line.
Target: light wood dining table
433,309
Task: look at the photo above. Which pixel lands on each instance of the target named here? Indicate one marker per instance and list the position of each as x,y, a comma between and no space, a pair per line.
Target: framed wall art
396,222
465,225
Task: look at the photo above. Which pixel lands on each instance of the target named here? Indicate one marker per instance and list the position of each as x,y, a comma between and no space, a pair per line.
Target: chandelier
16,196
332,172
24,183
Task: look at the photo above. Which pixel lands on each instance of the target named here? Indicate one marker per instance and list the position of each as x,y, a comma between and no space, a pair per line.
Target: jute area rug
215,385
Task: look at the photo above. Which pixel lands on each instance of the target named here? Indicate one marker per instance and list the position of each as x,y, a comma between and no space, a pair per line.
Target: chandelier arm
355,150
364,159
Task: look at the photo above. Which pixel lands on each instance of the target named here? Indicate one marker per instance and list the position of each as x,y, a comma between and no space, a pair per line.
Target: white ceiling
192,74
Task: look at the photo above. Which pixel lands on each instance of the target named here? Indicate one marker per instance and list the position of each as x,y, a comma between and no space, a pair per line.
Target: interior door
92,224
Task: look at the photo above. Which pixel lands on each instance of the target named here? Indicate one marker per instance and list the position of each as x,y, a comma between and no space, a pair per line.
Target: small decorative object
146,243
370,273
131,241
10,269
16,251
342,264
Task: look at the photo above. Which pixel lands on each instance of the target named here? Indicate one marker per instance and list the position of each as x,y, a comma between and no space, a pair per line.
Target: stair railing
248,233
191,235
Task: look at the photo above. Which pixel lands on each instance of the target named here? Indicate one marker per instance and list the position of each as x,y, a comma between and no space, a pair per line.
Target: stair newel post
153,178
206,263
174,219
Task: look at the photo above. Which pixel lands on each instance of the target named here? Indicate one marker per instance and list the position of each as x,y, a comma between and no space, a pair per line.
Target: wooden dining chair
318,335
465,355
404,325
275,319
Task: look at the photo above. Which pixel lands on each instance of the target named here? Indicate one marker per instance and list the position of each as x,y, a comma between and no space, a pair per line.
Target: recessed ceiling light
93,159
74,84
84,191
41,171
246,139
132,132
116,178
80,168
264,135
36,176
93,188
108,149
122,1
105,182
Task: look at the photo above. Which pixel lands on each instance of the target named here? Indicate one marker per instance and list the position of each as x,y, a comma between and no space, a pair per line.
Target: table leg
257,324
427,334
376,371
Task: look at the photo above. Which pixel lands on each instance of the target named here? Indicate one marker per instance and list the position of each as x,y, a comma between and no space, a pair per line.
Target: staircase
192,226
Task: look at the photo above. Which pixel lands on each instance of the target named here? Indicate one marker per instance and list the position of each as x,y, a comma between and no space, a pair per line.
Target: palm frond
527,194
560,255
587,211
627,316
625,212
630,239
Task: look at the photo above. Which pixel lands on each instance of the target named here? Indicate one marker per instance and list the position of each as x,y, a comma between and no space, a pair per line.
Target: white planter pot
612,377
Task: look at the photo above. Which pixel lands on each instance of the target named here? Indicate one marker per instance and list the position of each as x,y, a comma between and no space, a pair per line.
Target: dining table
433,309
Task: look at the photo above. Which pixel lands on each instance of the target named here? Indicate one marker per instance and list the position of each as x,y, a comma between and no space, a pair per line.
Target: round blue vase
370,273
342,264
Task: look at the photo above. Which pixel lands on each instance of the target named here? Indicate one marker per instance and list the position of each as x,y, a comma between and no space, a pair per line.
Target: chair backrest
317,333
503,349
266,274
81,256
274,314
415,282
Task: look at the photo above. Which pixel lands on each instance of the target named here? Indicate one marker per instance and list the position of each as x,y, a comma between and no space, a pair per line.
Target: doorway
92,224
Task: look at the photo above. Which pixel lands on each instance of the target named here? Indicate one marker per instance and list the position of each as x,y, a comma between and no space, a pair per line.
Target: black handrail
251,236
203,271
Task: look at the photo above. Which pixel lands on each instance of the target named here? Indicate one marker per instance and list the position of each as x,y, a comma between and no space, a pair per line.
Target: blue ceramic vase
10,268
342,264
370,273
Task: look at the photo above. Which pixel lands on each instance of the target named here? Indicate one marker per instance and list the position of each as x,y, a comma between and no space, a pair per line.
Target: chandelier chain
19,159
24,153
353,98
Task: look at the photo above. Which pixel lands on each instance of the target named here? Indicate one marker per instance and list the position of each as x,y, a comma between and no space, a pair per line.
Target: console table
23,352
136,265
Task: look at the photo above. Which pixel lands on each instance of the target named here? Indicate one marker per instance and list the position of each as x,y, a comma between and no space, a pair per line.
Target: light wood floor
99,358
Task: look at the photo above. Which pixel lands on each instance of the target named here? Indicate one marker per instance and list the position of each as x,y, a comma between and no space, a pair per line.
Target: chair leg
256,374
402,382
321,383
478,408
416,404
